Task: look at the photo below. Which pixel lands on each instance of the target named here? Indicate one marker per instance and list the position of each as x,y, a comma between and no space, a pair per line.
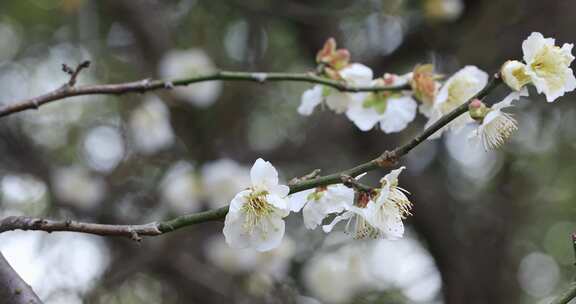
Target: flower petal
399,113
310,99
364,118
263,174
336,220
297,200
234,232
268,235
357,74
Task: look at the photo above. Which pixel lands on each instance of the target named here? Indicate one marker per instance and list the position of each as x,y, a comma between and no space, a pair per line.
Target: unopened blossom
355,74
457,90
513,74
424,84
256,216
190,63
378,216
320,202
496,126
332,60
392,110
548,66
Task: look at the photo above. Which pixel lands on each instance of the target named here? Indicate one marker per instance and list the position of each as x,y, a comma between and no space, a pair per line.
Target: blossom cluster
256,215
545,66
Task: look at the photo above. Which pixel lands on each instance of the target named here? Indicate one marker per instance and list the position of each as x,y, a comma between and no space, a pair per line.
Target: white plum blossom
379,216
222,179
256,216
497,126
457,90
394,111
150,126
320,202
190,63
548,66
355,74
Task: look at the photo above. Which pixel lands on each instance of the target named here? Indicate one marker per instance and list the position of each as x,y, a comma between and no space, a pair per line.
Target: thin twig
147,85
386,159
74,72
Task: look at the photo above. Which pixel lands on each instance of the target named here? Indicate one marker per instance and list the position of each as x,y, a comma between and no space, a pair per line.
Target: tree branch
135,232
13,289
145,85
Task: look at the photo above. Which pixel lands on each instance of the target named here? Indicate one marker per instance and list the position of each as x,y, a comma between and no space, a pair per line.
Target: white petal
234,233
387,219
268,235
263,174
338,101
336,220
532,45
278,202
357,74
238,201
513,96
297,200
364,118
399,113
392,177
313,215
279,190
310,99
334,200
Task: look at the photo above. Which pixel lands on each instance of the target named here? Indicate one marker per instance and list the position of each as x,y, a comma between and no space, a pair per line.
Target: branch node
35,104
260,77
308,176
134,235
353,183
168,85
145,85
74,72
387,159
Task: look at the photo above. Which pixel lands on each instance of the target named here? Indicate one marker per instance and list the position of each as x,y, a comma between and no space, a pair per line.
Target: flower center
361,229
521,77
497,131
399,199
256,209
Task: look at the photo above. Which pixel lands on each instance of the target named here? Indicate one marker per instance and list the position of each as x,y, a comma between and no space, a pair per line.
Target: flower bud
331,58
477,109
513,74
423,83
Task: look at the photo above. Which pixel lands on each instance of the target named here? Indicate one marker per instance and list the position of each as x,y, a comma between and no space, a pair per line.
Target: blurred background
488,227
